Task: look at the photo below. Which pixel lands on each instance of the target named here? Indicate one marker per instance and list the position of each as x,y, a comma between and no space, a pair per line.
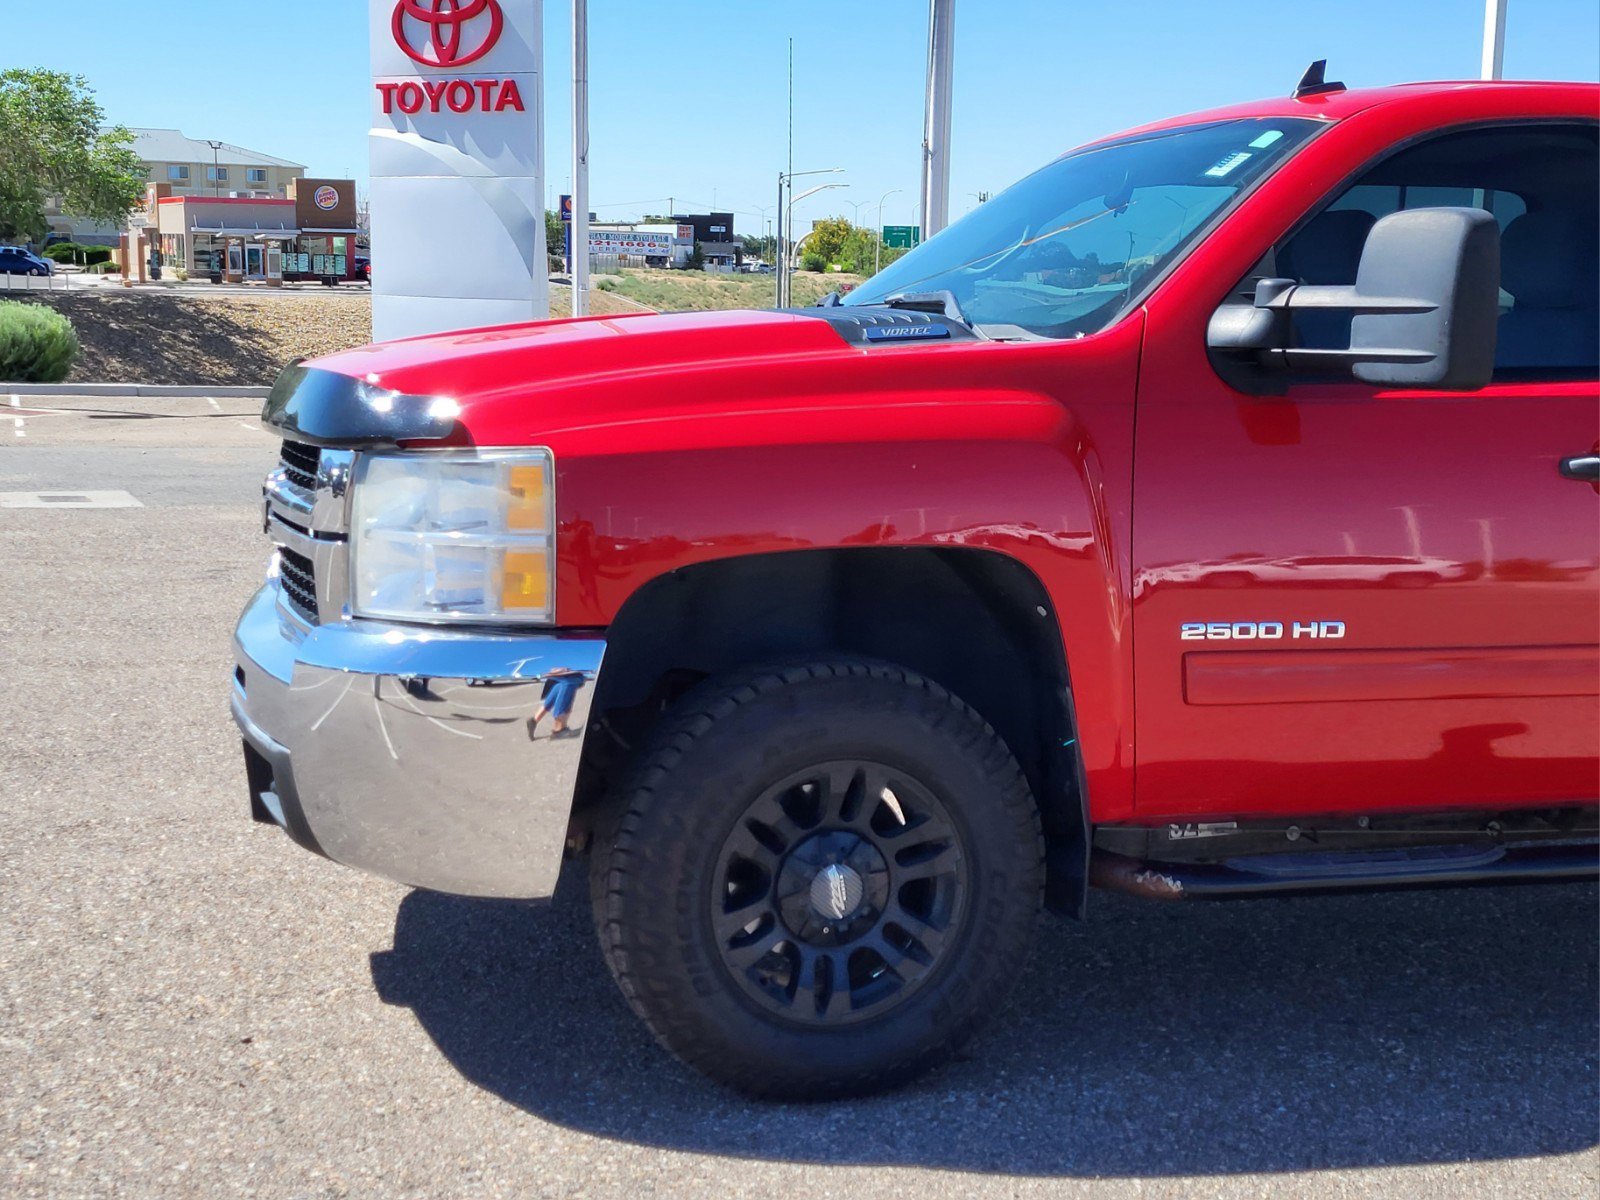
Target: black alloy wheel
837,891
820,879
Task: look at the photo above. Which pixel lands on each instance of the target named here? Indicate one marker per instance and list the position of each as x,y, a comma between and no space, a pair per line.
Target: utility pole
936,120
1494,39
578,268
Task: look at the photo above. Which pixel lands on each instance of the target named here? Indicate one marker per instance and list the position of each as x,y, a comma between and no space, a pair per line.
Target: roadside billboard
630,241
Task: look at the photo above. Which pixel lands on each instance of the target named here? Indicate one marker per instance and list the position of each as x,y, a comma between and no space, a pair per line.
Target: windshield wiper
941,303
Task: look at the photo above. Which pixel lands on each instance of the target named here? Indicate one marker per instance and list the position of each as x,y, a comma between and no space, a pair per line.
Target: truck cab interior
1542,184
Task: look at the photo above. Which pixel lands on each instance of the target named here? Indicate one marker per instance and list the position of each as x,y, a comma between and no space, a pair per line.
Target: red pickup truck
1211,514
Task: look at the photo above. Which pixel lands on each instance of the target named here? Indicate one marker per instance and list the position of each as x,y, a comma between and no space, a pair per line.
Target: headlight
454,536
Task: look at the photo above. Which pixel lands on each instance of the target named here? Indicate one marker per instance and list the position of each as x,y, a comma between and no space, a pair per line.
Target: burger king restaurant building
311,235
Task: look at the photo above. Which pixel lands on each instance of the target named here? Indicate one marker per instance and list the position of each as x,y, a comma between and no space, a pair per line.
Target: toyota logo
446,20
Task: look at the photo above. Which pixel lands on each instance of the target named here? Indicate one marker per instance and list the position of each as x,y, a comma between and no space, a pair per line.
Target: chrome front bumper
405,751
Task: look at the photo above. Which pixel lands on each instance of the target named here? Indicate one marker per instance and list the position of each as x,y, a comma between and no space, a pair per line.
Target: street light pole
877,248
786,222
777,247
788,268
216,147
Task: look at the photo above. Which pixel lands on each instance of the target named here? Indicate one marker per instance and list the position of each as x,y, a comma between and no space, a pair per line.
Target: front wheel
823,877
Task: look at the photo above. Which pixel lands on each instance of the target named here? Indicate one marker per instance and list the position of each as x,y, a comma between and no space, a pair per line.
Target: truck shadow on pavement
1274,1035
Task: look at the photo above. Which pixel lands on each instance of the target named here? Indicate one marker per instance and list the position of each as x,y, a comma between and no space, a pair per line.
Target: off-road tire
653,873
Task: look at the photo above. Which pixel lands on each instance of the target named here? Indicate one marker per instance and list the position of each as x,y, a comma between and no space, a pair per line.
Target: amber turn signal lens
525,580
525,509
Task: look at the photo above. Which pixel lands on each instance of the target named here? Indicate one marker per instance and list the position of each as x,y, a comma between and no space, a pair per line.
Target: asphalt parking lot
192,1006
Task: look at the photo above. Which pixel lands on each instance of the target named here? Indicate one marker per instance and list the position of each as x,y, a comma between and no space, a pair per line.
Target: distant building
189,167
195,168
310,234
714,233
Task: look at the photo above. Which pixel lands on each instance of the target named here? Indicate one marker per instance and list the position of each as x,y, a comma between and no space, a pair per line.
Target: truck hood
501,385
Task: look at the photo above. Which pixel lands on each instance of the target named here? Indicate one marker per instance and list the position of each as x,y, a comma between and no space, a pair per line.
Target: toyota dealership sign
457,165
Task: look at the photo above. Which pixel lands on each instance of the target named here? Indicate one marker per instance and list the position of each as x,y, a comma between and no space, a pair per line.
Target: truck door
1351,599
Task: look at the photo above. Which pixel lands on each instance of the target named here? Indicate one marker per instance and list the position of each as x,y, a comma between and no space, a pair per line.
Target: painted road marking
213,404
87,499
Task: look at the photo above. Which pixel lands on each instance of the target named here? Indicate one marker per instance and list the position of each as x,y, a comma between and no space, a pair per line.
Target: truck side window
1541,182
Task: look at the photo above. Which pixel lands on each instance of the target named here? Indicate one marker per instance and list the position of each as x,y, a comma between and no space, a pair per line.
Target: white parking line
213,404
17,421
65,499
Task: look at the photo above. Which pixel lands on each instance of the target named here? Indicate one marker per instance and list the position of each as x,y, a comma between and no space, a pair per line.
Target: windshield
1061,253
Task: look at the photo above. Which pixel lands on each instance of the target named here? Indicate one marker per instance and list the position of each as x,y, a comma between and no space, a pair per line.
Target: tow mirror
1423,311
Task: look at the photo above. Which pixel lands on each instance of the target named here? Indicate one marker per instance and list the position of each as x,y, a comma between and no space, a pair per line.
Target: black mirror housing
1424,308
1448,258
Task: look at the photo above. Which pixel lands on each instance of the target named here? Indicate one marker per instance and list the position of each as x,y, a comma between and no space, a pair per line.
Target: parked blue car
14,260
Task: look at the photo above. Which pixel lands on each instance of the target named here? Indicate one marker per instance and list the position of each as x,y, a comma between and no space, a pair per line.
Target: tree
828,238
52,145
765,248
555,233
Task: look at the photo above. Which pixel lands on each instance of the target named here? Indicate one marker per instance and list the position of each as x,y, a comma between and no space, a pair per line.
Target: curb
132,389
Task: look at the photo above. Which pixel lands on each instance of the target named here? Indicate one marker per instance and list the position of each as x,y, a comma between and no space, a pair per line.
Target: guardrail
56,281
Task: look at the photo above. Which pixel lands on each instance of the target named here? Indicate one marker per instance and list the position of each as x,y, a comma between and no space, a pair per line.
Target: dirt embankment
231,338
151,337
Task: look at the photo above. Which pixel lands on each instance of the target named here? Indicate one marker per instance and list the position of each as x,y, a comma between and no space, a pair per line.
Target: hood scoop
870,325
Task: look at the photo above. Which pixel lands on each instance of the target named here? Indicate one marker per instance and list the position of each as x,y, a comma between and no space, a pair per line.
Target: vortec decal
1259,631
900,333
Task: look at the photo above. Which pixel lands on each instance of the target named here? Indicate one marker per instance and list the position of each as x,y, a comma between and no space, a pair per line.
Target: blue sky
688,98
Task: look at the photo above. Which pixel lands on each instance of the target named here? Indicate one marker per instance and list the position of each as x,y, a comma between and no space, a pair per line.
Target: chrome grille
300,462
298,578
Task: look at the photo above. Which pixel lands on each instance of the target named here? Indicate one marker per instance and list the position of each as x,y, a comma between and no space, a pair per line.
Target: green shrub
606,285
37,344
104,268
71,252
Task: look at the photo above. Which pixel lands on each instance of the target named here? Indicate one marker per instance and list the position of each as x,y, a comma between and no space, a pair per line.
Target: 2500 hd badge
1259,631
